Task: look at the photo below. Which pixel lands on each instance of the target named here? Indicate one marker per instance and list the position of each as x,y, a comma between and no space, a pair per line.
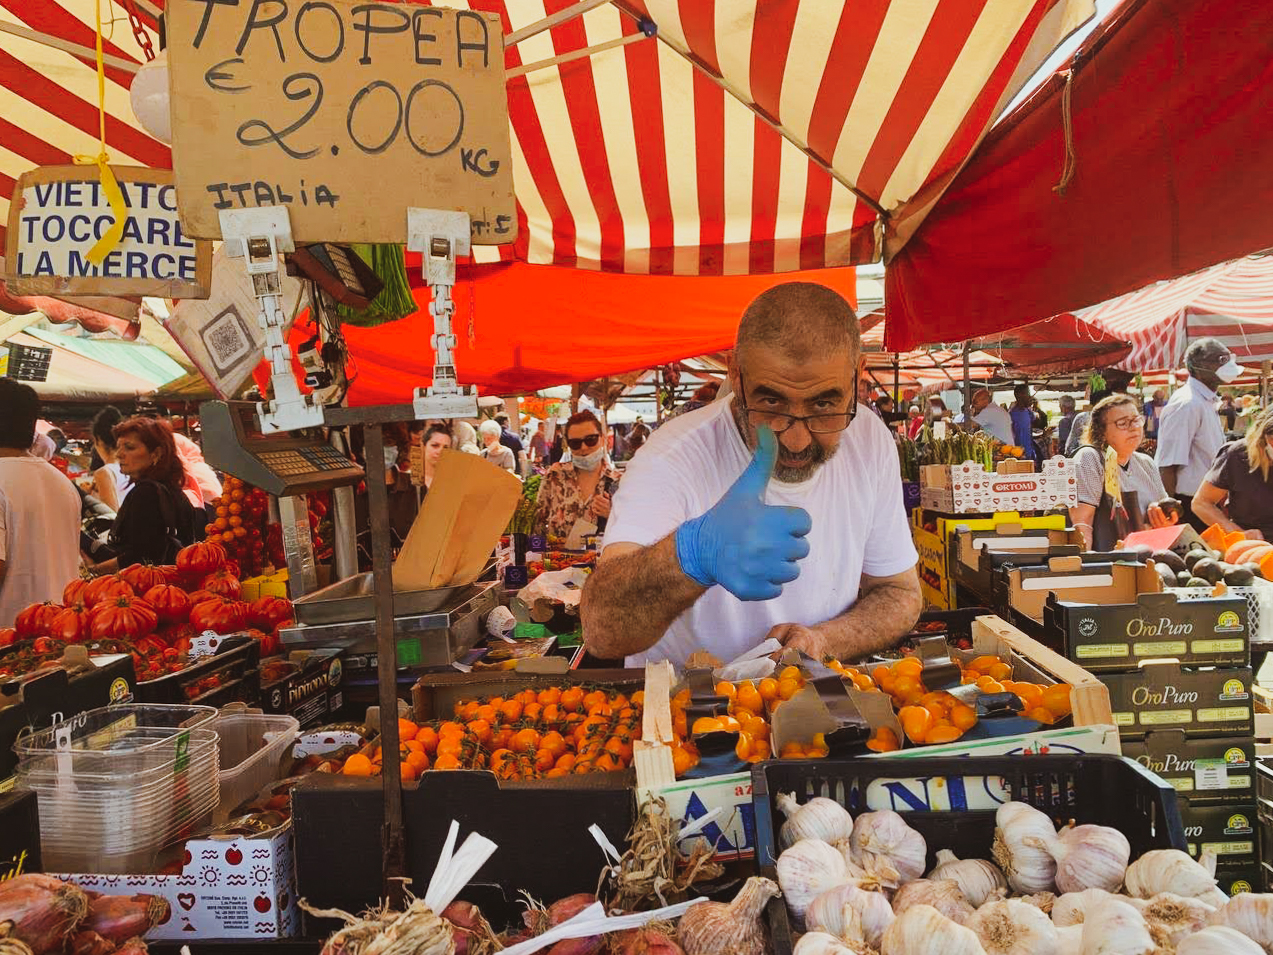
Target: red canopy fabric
1172,143
1058,346
535,326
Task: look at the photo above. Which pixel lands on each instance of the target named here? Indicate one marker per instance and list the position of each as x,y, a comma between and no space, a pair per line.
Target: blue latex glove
748,547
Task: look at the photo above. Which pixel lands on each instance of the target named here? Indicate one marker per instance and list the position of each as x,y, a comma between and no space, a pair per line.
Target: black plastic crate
1087,788
227,676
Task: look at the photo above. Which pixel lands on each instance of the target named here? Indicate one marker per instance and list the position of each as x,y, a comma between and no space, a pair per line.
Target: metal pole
897,384
393,840
967,382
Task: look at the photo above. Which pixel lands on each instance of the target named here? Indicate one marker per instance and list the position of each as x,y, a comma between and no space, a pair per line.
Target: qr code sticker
227,340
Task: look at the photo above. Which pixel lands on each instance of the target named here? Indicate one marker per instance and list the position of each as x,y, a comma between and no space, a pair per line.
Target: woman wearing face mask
1118,487
581,488
1240,483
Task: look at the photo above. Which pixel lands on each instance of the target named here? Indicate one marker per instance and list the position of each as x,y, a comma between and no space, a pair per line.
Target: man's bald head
800,320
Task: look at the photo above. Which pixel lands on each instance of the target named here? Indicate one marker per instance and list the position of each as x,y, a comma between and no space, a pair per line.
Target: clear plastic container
252,744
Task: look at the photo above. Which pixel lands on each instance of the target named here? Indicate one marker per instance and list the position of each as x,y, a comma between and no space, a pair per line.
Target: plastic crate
1100,789
1259,602
252,744
229,674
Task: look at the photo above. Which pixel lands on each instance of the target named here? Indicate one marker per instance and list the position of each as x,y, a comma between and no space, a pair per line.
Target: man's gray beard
817,455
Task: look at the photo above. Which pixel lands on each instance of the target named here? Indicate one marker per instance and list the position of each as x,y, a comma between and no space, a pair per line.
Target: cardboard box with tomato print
232,887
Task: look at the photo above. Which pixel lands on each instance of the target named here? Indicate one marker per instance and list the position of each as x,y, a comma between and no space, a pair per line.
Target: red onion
578,946
567,908
466,920
134,946
118,917
645,941
90,943
43,911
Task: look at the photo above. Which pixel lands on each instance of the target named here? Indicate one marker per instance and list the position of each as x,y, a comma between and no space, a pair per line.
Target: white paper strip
593,921
700,823
607,847
1068,583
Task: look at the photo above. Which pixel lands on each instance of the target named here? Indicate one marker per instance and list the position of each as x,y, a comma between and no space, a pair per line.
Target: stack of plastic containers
116,784
252,746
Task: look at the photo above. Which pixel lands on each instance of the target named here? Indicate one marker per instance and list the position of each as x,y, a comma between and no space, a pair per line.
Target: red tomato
122,616
219,614
266,613
70,624
103,587
172,604
34,620
201,559
74,591
222,583
141,577
7,636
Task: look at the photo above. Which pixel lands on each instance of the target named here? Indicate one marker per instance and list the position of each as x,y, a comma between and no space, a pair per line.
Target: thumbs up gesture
743,544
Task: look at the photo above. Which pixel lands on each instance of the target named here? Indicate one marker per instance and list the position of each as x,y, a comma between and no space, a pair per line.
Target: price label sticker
1210,774
204,645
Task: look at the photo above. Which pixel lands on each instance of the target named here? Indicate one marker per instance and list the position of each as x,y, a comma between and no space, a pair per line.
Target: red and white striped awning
748,137
1232,301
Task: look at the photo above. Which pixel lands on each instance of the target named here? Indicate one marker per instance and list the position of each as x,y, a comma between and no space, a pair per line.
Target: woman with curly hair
1119,488
1237,493
156,519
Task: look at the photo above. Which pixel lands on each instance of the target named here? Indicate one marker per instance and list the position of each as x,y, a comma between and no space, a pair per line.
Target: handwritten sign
346,113
59,212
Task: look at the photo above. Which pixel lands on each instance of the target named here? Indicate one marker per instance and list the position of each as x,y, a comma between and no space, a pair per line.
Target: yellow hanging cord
110,187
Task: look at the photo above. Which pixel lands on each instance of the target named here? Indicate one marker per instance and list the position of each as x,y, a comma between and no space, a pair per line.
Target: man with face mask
1189,431
777,513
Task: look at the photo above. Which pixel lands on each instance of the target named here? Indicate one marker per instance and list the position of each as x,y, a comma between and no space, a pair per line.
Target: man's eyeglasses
1130,423
587,441
825,423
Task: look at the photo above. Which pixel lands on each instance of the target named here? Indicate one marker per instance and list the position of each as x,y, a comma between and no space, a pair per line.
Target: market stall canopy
719,138
1146,159
85,369
1232,301
534,326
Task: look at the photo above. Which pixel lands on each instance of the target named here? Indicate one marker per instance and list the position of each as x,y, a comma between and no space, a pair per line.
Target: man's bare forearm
882,615
632,598
1169,475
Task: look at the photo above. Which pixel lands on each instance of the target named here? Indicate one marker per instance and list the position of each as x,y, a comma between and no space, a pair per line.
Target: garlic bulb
850,913
819,818
884,837
979,880
1043,901
710,928
922,930
1072,908
1250,913
1022,834
1174,915
1170,870
1069,940
806,870
1218,940
1115,928
1089,857
942,894
1013,928
820,943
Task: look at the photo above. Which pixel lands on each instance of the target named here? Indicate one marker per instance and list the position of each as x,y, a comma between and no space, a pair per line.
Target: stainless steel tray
354,598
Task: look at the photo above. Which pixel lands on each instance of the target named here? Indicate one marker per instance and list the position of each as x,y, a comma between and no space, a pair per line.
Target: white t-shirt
39,534
995,420
855,500
1189,434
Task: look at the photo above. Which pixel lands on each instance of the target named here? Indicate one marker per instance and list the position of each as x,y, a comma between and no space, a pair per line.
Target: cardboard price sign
346,113
59,212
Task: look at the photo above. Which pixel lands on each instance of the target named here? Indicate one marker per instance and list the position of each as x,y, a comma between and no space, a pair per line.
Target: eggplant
1199,582
1171,559
1183,578
1239,577
1208,569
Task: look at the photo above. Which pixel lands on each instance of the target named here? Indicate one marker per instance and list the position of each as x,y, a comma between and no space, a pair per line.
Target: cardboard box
1013,486
40,700
1163,695
935,583
234,887
311,691
1109,637
1228,829
945,525
1008,542
19,834
1206,769
1025,589
435,694
1240,876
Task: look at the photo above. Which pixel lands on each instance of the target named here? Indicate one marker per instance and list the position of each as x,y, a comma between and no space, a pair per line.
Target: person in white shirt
39,511
1189,430
988,417
775,513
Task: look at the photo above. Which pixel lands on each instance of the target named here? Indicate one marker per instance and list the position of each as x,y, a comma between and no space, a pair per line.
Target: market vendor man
775,512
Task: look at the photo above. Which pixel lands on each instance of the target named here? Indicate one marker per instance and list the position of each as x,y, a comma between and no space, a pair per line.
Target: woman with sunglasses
1237,493
1119,488
581,488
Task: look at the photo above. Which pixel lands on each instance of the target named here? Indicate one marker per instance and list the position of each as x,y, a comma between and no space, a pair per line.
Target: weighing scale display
283,464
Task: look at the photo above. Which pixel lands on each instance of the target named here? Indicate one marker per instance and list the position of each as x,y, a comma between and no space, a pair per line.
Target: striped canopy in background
748,137
1232,301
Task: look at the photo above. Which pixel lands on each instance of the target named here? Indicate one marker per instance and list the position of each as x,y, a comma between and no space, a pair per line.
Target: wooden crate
1089,699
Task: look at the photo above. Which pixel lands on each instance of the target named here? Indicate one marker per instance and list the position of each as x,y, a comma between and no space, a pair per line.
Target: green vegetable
522,521
395,300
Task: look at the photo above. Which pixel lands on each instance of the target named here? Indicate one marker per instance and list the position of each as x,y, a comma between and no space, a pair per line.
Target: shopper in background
464,436
494,451
39,511
1066,423
1022,415
539,444
580,489
156,519
1153,412
637,435
1229,414
1078,429
1237,490
988,416
1189,432
915,422
110,485
202,486
437,438
506,437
